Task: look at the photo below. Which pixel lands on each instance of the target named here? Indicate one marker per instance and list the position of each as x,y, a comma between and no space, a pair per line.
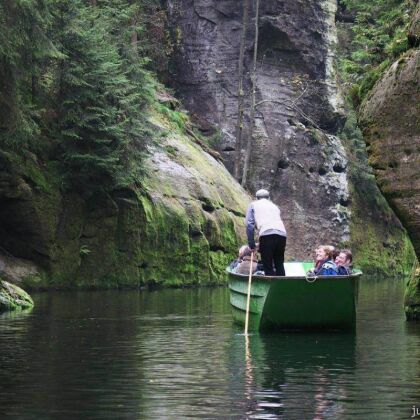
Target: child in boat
344,261
244,261
324,263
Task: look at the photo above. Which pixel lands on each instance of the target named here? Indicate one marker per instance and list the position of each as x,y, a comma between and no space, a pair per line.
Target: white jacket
265,215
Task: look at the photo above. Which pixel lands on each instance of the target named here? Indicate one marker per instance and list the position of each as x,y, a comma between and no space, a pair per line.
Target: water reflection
298,375
176,354
17,314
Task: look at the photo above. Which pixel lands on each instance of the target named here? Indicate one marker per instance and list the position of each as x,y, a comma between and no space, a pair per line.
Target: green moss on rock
379,243
412,297
180,225
13,297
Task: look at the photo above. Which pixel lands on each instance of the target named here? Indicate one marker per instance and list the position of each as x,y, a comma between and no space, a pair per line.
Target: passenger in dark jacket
324,264
244,266
343,262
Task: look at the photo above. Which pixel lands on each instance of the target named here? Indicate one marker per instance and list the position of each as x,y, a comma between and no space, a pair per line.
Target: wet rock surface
181,225
391,124
13,297
295,151
17,270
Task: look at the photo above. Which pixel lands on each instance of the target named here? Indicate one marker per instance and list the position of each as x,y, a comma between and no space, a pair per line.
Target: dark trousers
272,249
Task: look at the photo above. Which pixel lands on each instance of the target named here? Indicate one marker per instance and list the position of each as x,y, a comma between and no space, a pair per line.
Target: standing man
264,215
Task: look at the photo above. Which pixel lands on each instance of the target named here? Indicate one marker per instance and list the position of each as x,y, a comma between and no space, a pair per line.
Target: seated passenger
242,251
344,261
245,257
324,264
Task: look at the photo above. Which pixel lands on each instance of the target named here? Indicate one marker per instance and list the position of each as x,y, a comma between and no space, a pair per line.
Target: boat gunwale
306,278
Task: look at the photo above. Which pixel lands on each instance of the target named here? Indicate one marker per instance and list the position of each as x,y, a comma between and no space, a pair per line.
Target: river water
175,354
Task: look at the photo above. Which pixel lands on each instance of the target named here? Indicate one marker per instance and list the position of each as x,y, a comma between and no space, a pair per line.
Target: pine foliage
379,37
24,46
73,72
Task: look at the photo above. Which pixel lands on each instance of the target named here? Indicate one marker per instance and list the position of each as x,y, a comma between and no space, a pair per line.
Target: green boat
295,301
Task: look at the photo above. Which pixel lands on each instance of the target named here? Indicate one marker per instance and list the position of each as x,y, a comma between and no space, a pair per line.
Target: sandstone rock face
16,270
182,224
391,124
295,151
412,297
390,119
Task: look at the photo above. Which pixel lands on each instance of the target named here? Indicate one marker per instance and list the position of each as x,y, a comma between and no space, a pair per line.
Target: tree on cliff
99,96
241,109
24,49
253,96
239,123
90,89
379,36
73,75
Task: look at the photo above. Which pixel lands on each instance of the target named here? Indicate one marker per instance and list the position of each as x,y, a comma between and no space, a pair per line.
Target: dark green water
175,354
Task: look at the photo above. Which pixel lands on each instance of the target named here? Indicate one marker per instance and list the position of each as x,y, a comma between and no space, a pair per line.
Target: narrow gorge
181,220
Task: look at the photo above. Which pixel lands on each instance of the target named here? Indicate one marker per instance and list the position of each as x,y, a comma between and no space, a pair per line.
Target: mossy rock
412,297
390,122
13,297
179,225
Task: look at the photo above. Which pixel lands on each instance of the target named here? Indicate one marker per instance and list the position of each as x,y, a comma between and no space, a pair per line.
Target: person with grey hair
246,259
265,216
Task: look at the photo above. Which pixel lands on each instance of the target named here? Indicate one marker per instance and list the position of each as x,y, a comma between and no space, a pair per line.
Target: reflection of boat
306,375
295,301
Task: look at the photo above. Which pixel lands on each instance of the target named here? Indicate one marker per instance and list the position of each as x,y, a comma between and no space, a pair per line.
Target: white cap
262,194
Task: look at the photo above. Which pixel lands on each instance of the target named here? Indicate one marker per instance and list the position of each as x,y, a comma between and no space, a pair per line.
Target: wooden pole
248,298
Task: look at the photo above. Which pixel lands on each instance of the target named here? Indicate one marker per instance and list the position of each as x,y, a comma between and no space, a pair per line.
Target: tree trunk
8,103
253,93
239,124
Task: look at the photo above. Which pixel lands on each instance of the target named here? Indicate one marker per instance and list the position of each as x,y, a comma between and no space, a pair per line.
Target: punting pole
248,298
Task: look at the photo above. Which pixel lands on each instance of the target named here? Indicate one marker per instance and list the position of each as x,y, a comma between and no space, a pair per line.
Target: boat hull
296,302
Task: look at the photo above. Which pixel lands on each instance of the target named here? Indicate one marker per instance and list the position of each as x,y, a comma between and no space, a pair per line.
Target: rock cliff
391,124
179,226
296,152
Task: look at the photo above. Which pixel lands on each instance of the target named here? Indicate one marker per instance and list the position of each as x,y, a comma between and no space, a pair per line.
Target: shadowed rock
13,297
391,125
